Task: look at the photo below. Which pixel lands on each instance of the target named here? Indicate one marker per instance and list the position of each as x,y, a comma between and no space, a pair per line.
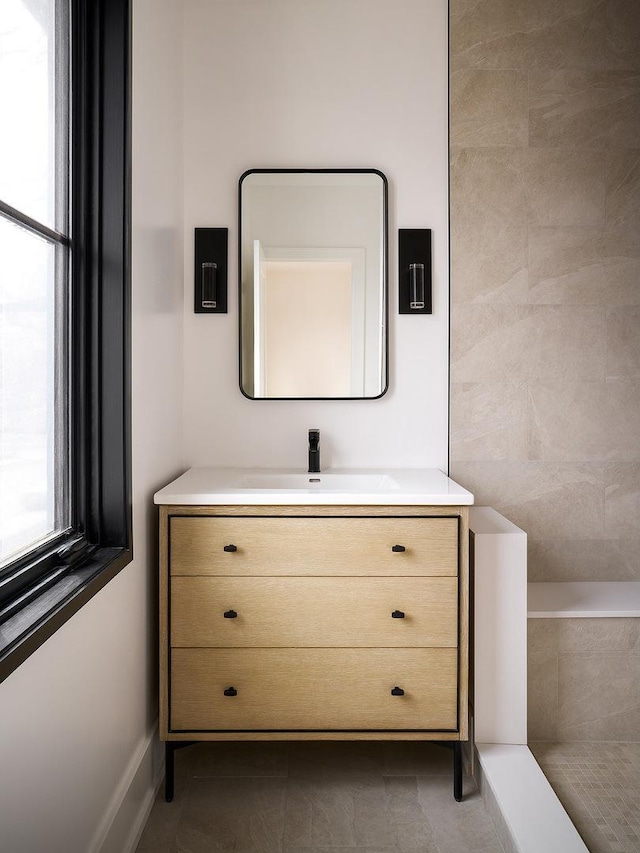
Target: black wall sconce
211,270
414,271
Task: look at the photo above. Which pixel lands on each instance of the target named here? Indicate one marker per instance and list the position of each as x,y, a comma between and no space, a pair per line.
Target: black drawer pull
397,691
231,691
397,614
230,549
398,549
230,614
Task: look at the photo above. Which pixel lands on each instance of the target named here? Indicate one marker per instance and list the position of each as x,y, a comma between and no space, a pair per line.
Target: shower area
545,363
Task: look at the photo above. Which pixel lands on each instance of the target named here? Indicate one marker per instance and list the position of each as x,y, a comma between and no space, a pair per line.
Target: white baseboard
132,801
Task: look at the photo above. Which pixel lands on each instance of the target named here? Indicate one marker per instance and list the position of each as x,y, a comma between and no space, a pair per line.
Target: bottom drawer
315,689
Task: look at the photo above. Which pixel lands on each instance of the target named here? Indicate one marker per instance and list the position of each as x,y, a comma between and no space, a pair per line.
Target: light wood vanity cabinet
314,622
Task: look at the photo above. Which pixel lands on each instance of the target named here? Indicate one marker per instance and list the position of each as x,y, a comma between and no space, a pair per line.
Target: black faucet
314,451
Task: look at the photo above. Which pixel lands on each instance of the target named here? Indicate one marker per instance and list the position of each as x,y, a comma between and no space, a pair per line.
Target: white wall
329,83
271,83
78,715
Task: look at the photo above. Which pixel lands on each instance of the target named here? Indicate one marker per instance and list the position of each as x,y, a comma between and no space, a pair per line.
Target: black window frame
43,589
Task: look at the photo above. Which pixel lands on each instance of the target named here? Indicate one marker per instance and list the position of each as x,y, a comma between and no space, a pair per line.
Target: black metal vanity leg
170,748
169,765
457,771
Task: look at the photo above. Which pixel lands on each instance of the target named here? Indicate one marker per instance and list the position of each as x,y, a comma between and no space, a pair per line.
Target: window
34,275
65,512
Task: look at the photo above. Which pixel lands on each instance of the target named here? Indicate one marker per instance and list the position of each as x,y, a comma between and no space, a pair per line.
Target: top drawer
313,546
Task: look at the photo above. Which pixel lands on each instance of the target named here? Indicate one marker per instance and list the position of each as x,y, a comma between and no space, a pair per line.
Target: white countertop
264,486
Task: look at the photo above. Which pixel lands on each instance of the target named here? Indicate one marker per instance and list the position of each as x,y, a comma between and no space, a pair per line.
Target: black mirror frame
385,270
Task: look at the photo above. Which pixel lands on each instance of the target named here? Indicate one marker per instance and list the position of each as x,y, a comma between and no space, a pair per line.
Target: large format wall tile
622,28
490,343
598,635
561,209
599,695
582,266
623,344
567,35
488,34
584,679
542,679
573,420
546,499
488,186
496,343
584,109
545,34
489,108
513,186
489,264
556,409
623,191
623,403
622,500
583,559
565,187
489,421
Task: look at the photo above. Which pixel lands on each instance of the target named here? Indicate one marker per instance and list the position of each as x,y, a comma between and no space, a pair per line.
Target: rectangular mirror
313,284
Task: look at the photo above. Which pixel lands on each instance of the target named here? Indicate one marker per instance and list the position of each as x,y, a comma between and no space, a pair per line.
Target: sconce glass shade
209,276
416,285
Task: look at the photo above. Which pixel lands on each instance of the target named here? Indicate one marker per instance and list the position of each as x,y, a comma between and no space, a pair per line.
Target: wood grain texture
456,541
314,689
464,627
406,735
163,595
314,546
312,611
315,510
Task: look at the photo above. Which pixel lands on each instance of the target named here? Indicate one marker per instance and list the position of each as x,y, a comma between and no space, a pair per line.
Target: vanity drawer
313,546
314,611
315,689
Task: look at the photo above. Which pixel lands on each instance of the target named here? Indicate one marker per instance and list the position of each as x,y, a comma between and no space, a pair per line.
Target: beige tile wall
545,268
584,679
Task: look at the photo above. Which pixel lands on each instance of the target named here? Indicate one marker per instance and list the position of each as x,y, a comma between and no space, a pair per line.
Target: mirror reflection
313,288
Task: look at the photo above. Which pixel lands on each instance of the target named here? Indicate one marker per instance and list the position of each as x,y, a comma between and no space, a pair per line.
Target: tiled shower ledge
583,600
527,813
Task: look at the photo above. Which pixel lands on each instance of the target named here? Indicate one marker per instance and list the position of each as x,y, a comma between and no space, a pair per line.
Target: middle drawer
314,612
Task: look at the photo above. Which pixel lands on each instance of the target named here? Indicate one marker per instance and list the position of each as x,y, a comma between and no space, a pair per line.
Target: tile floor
318,798
599,786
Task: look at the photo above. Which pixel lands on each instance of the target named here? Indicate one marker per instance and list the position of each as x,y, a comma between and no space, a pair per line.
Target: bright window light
34,274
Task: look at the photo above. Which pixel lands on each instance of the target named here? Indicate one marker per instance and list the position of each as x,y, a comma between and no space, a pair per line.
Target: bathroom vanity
328,606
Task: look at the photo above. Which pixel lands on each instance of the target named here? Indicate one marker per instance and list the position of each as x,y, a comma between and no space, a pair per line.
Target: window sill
28,629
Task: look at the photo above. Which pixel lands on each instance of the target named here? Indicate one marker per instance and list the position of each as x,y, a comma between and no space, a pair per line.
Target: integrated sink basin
291,487
330,481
